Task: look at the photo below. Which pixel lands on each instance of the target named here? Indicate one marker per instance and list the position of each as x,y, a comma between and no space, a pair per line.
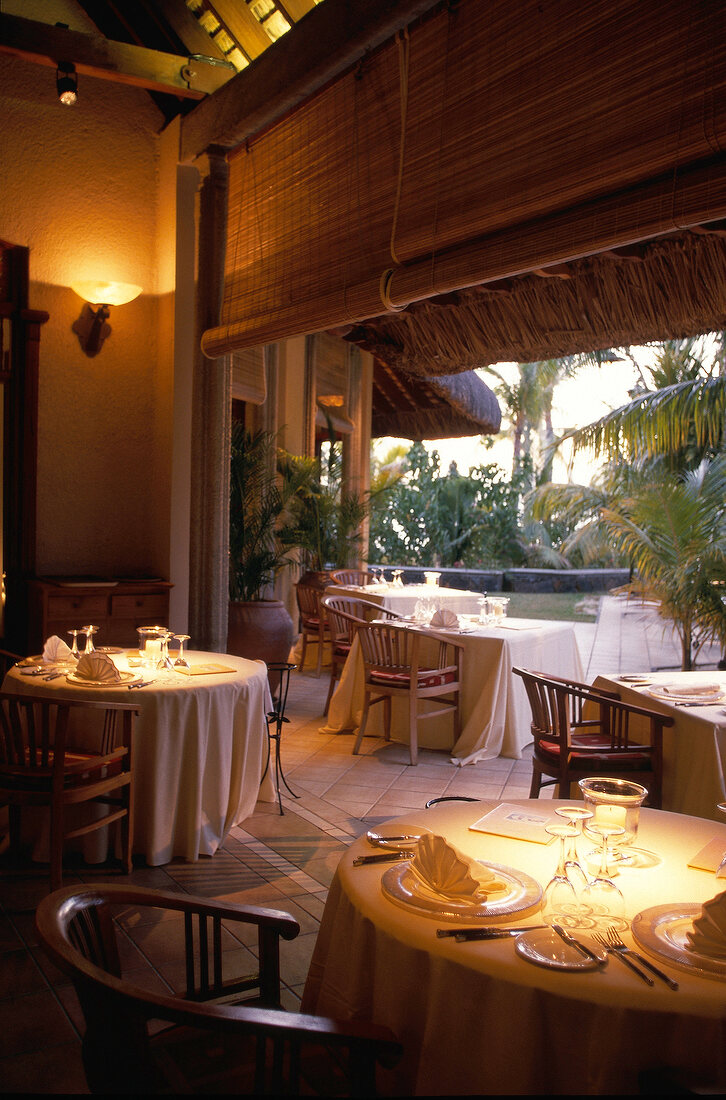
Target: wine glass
576,815
181,661
602,895
559,904
89,631
74,646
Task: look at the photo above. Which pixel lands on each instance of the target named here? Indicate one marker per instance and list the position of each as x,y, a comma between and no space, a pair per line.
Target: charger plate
126,679
543,947
402,886
672,694
661,931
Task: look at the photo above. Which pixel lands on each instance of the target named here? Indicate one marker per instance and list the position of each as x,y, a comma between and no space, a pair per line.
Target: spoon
382,841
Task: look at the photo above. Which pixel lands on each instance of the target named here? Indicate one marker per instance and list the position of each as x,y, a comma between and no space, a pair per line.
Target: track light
66,81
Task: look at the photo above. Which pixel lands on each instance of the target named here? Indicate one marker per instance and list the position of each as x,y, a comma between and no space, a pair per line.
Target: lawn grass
579,607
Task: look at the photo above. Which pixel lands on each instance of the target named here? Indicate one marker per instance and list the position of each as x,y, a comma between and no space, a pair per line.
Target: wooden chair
39,767
352,576
223,1034
344,615
313,624
581,731
394,666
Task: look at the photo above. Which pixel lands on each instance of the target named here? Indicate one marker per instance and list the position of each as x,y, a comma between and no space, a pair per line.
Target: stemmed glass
576,815
602,895
181,661
559,905
74,646
89,631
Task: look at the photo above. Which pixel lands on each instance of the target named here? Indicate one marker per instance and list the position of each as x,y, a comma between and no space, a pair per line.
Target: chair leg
387,705
126,825
321,642
56,849
331,688
363,720
536,782
304,648
413,728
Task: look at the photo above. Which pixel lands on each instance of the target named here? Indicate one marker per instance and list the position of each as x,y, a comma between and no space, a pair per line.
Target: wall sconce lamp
66,82
91,328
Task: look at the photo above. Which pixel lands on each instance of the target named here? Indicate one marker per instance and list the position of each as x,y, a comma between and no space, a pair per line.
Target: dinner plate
673,695
108,649
543,947
126,679
403,887
662,932
635,679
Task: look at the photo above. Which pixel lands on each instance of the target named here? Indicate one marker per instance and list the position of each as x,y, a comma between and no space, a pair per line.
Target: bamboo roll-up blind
494,139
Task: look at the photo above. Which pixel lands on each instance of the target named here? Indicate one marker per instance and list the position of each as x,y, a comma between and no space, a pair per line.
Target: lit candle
611,815
153,649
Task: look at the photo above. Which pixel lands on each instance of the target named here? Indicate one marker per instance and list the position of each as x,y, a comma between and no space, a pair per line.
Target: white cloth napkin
55,649
444,617
709,930
97,666
691,689
446,871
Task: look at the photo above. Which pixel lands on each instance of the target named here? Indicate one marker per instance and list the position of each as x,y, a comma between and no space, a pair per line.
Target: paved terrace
285,862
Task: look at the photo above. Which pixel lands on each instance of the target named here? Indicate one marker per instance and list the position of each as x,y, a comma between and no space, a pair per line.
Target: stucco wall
80,187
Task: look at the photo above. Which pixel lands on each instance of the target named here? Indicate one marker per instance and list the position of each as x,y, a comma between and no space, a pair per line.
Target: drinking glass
559,904
181,661
484,612
74,647
89,631
614,801
605,900
577,816
397,582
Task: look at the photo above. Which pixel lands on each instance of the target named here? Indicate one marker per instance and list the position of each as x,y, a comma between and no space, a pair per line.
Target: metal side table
279,675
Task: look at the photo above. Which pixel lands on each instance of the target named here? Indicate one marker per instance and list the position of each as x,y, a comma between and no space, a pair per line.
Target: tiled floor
285,862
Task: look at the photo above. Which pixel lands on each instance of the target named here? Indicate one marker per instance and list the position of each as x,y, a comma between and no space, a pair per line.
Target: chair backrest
346,613
352,576
76,929
308,600
34,730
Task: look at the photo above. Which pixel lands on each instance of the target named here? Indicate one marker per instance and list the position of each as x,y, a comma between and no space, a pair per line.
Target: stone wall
519,580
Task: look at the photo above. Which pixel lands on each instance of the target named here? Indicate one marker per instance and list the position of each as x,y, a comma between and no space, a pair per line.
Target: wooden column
211,420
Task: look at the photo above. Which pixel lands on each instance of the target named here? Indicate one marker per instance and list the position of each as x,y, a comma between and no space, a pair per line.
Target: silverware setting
141,684
384,857
623,958
584,950
378,841
461,935
617,945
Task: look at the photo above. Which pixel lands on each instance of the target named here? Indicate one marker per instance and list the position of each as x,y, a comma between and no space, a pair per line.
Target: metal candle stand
275,721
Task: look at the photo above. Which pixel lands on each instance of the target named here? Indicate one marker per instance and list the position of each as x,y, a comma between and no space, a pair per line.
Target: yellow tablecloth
475,1018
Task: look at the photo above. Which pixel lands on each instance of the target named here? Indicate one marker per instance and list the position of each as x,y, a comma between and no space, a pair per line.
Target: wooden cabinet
117,608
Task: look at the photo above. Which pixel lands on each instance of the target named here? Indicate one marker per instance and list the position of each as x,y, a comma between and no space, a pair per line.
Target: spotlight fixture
91,327
66,81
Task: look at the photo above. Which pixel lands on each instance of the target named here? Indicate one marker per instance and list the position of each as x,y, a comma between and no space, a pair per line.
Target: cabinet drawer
150,606
61,607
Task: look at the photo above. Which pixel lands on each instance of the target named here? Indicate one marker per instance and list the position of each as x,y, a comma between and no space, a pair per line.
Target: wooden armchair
395,666
581,731
220,1034
352,576
39,767
313,624
344,615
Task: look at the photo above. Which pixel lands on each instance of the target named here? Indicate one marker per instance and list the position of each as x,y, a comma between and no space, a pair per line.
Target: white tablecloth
694,747
404,600
496,716
475,1018
200,744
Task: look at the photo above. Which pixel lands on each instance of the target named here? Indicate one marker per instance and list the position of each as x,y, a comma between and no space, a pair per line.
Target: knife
462,934
570,939
384,857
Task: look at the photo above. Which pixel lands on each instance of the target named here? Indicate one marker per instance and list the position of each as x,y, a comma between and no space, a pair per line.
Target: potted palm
260,627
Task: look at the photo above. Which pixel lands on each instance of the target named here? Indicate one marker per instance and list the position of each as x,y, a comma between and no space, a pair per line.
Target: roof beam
327,41
96,56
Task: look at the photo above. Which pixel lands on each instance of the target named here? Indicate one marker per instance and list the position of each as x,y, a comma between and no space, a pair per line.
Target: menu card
204,670
515,821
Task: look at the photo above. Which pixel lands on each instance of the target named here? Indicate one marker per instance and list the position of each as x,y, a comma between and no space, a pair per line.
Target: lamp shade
98,292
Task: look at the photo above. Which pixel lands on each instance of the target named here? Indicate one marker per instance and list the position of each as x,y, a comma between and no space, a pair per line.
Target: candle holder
613,802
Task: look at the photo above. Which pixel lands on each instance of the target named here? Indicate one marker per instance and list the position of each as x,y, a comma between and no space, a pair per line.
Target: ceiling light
66,81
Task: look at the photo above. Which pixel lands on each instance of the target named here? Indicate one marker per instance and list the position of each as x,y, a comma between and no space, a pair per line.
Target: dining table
694,747
200,745
495,713
516,1015
404,598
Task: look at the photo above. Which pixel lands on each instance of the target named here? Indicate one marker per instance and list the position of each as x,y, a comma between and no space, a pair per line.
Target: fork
623,958
617,944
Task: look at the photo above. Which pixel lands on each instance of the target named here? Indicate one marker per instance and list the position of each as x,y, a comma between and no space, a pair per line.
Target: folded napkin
97,666
691,689
444,617
55,649
445,871
709,930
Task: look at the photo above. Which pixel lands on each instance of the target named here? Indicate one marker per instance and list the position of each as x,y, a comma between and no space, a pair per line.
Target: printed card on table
519,822
205,670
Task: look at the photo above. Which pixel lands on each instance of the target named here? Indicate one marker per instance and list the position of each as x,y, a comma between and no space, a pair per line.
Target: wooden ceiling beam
96,56
326,42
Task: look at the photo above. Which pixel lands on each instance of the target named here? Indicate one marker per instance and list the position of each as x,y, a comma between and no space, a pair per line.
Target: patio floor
286,862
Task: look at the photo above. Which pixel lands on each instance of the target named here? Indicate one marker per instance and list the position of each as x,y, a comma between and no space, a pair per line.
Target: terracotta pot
260,630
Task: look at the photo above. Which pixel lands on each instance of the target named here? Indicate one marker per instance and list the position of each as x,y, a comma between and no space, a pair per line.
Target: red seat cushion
341,649
427,677
630,759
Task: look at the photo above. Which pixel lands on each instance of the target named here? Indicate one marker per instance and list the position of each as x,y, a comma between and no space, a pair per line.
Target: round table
200,746
475,1018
